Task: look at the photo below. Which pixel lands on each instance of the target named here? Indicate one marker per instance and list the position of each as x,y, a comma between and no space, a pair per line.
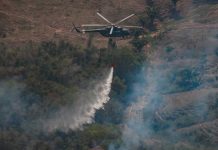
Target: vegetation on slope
48,70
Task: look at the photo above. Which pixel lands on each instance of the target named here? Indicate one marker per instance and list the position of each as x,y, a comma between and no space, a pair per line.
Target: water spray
84,109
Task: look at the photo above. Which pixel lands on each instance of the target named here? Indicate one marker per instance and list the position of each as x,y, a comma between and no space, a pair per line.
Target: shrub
151,13
188,79
216,51
169,49
138,43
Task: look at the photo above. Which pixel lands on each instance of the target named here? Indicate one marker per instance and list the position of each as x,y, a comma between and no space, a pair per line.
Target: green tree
151,13
138,43
174,12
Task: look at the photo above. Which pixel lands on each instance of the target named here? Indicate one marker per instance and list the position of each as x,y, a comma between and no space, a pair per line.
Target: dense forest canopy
43,76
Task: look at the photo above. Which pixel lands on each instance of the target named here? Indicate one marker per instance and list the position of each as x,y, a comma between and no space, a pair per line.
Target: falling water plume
83,109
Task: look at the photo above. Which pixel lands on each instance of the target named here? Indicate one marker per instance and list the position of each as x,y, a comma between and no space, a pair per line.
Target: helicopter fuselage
117,32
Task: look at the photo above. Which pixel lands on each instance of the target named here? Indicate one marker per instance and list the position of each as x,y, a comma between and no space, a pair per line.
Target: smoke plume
177,109
11,107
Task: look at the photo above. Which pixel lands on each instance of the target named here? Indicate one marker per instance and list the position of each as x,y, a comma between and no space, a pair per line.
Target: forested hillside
164,92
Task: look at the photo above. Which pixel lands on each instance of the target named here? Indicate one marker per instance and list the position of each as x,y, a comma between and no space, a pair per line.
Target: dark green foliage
94,135
50,72
169,49
91,136
174,12
204,1
2,34
112,112
128,63
174,2
188,79
52,69
151,13
183,80
150,2
138,43
142,20
118,86
216,51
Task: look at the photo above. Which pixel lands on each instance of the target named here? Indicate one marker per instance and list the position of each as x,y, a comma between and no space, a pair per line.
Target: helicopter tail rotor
76,28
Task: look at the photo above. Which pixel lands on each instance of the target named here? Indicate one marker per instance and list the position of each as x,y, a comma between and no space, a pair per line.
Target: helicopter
110,29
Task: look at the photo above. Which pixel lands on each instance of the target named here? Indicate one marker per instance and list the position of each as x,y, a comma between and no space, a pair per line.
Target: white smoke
136,128
163,96
83,109
11,105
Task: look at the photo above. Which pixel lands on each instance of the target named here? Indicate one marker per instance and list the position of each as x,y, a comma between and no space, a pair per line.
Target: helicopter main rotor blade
94,25
118,22
104,18
137,27
112,29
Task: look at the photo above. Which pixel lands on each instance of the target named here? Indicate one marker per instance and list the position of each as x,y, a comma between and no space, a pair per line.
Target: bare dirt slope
25,20
37,20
